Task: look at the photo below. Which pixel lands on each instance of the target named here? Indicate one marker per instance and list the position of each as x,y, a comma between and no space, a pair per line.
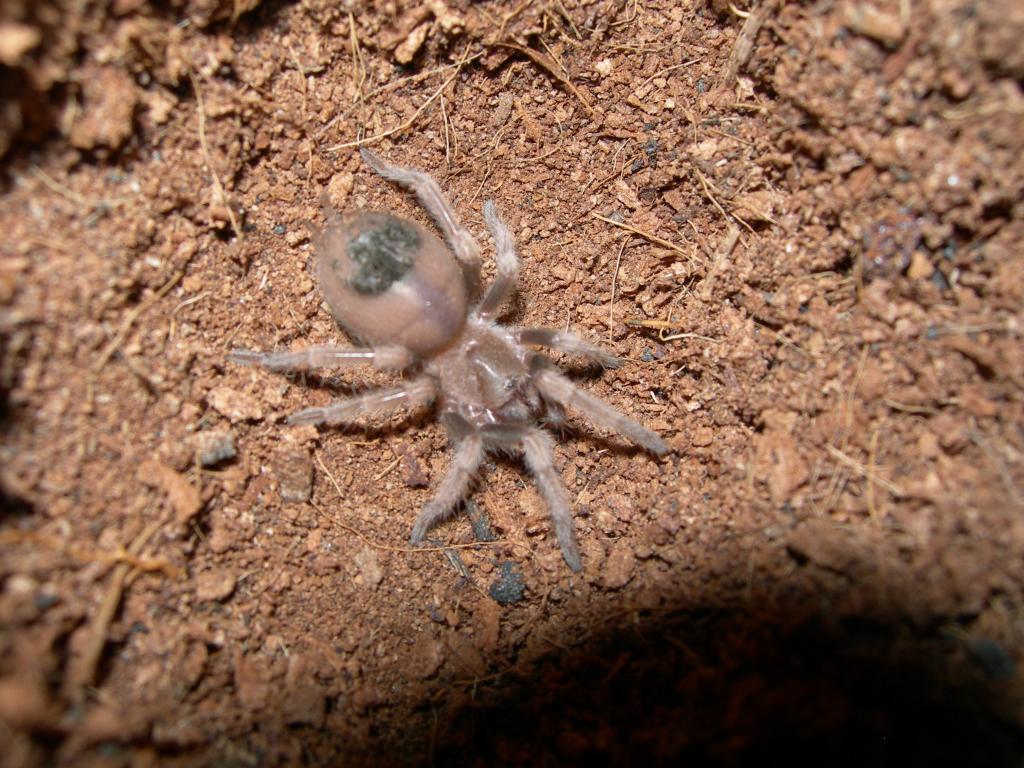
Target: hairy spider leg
556,387
466,249
392,358
453,488
570,343
504,283
538,451
417,392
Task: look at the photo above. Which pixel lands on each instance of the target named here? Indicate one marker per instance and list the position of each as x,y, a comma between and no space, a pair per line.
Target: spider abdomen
389,281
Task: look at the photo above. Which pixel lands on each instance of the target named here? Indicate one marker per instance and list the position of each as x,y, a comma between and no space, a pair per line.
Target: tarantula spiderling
396,289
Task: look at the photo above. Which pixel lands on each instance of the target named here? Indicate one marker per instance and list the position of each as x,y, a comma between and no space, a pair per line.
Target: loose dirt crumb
213,447
214,585
181,494
293,468
107,110
237,406
618,566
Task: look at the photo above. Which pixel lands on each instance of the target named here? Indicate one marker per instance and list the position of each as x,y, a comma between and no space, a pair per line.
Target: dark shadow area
732,687
12,505
717,685
30,115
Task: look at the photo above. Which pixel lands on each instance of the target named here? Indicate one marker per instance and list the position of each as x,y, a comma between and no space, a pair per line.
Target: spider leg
411,394
453,487
539,454
385,358
570,343
556,387
432,198
508,265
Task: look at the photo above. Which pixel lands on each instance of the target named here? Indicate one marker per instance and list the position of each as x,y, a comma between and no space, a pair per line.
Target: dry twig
615,280
85,671
205,148
70,194
666,325
129,320
869,473
714,201
358,67
646,235
546,63
665,71
744,45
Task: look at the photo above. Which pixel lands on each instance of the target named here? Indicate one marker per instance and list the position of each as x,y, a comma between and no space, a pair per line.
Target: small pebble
46,600
235,405
920,267
427,657
371,571
939,280
293,469
412,472
618,568
214,446
181,494
214,585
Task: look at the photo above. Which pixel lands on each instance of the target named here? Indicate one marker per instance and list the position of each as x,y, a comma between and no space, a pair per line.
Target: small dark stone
46,600
939,280
280,229
508,588
138,628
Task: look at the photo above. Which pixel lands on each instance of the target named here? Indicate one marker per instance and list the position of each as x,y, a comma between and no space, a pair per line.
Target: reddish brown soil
825,230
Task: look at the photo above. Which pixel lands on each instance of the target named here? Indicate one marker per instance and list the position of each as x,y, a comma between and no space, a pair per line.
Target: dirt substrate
801,225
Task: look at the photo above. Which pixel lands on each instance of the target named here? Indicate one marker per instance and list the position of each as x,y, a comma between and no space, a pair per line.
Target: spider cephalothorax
399,291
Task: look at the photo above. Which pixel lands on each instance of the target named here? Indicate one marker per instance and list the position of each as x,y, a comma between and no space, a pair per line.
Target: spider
406,298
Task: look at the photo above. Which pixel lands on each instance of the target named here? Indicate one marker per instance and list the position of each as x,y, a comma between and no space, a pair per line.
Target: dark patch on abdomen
382,253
